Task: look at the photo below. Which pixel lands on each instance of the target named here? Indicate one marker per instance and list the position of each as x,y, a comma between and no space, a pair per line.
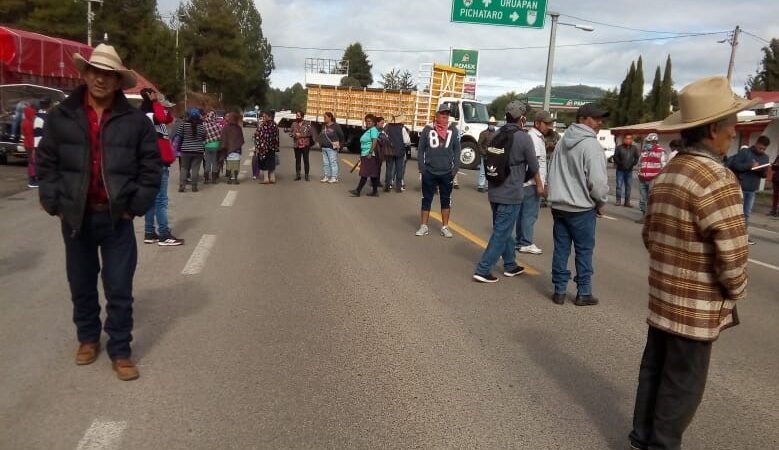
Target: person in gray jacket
578,190
438,160
506,198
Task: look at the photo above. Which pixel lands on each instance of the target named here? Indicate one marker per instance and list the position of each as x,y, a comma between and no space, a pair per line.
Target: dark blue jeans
501,244
624,180
115,245
579,229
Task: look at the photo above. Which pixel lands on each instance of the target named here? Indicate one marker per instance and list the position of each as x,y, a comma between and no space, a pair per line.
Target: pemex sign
514,13
468,60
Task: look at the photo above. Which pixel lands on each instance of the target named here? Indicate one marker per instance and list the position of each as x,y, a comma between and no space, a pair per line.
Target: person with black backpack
510,161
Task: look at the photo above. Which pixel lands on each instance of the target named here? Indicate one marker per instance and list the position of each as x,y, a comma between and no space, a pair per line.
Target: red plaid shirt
97,193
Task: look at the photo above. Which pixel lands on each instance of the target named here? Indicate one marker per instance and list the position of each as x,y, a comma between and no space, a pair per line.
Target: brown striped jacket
697,241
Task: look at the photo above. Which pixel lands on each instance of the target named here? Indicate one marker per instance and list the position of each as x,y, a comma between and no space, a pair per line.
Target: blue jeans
528,214
482,183
749,203
329,162
396,170
624,180
579,229
113,244
643,188
501,244
159,210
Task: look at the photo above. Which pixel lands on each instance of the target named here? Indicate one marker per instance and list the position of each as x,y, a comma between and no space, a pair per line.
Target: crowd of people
695,208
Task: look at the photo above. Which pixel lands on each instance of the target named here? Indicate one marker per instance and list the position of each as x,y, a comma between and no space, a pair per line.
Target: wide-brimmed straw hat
104,57
705,101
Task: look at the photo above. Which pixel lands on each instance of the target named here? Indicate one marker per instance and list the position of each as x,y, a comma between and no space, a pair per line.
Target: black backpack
496,161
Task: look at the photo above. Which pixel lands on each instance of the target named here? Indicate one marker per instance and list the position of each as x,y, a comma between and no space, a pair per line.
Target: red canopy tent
27,57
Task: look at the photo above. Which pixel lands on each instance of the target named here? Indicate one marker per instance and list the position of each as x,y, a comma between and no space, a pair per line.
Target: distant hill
579,92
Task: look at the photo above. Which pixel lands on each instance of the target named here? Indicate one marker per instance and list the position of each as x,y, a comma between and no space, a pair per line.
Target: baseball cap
516,108
544,116
591,110
444,108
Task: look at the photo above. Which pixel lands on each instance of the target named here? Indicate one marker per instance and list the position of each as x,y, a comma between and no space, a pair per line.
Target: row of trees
220,41
767,76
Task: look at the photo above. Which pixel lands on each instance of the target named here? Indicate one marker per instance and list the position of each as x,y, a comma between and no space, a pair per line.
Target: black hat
591,110
444,108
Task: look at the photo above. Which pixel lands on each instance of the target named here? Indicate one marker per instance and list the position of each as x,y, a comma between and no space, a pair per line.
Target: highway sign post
513,13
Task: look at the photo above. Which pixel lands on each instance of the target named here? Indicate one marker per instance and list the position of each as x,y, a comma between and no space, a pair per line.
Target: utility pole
90,18
733,45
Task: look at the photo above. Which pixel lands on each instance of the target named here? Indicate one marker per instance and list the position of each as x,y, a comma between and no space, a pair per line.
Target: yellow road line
481,243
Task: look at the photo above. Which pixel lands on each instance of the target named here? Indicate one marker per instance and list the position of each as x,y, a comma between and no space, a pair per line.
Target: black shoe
489,278
307,178
297,177
559,299
150,238
182,188
355,193
170,241
372,194
585,300
387,188
194,188
519,270
229,181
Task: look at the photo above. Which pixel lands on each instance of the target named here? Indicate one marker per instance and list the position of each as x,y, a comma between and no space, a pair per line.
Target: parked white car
250,119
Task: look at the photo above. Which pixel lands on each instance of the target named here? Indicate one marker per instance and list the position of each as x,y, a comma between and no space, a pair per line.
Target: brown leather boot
87,353
125,369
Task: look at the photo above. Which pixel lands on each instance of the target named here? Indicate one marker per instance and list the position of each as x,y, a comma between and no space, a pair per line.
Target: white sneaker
422,231
333,180
532,249
324,180
446,233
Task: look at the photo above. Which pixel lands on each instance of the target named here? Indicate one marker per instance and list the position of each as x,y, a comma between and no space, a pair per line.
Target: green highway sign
556,101
468,60
514,13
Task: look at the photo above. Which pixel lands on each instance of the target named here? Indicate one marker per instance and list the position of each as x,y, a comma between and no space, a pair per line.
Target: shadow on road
594,393
157,310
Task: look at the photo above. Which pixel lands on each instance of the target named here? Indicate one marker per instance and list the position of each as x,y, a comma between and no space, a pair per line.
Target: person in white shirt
534,189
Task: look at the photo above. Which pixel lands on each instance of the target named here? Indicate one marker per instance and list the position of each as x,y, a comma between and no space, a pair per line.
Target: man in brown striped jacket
697,241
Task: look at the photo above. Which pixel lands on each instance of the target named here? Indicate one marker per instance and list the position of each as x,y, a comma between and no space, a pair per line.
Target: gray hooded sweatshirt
577,174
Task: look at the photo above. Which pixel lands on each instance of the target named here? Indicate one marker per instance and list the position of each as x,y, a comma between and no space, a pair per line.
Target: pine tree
623,100
666,93
767,76
57,18
636,102
14,11
650,106
359,67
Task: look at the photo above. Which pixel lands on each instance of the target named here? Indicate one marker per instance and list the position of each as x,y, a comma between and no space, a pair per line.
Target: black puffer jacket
131,160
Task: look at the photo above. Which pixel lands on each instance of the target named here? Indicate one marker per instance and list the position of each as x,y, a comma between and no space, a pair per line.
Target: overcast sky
424,27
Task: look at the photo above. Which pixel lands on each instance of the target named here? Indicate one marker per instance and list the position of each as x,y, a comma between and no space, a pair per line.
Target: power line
532,47
756,37
630,28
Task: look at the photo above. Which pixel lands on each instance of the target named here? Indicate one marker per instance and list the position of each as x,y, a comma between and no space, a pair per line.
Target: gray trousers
190,161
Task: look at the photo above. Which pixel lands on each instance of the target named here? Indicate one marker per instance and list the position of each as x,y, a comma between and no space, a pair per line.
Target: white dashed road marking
102,435
766,265
230,198
198,259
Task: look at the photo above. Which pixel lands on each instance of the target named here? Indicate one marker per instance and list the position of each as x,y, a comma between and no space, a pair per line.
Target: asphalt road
310,319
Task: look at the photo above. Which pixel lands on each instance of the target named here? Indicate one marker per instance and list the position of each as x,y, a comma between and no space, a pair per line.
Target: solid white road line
247,162
230,198
608,217
766,265
102,435
198,259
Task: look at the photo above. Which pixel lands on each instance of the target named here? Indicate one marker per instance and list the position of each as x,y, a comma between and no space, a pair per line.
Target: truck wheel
469,156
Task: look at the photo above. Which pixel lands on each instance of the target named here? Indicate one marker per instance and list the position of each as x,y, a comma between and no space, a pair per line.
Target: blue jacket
741,165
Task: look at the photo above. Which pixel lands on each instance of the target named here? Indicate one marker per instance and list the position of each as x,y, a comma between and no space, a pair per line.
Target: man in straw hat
99,167
697,241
